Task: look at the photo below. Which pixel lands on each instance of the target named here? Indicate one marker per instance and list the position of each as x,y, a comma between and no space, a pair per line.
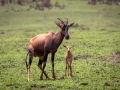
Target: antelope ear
71,24
72,46
59,25
64,46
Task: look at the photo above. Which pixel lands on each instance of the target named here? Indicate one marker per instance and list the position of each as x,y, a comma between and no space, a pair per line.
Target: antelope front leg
70,70
53,73
66,70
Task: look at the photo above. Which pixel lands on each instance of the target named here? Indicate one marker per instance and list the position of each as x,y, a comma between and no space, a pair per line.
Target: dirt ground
114,57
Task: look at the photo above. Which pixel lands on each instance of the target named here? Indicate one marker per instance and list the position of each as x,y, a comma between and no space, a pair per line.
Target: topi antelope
43,44
68,59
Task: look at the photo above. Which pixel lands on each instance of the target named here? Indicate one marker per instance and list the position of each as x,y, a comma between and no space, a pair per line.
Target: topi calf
68,58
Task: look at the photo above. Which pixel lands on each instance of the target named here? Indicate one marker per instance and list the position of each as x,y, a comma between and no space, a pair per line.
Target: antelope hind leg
40,66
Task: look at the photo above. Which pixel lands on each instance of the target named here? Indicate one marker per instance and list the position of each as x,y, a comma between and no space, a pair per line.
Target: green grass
91,71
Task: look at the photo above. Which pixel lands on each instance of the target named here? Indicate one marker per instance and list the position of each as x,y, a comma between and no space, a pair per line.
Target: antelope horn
61,20
66,21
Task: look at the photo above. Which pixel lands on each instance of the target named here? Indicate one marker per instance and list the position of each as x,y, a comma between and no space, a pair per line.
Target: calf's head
68,48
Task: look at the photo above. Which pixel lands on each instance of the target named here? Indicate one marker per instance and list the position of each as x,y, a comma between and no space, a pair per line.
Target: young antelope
68,58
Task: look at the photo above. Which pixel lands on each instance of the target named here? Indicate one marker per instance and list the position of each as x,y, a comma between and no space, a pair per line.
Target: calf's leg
70,70
66,68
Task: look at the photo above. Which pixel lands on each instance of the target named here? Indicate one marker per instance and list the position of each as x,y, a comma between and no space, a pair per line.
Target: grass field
95,35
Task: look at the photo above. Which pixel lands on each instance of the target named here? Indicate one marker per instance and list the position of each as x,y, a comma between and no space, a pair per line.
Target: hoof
28,80
54,78
47,78
41,78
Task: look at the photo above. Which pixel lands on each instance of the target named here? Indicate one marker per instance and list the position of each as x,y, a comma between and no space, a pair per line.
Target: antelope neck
59,37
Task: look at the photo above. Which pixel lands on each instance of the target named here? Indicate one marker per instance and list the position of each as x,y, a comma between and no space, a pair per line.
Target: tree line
109,2
36,4
21,2
47,3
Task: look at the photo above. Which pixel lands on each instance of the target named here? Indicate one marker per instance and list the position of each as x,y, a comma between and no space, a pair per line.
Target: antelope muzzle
67,37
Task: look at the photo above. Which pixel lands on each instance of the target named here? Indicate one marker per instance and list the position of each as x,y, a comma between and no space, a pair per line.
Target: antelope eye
63,27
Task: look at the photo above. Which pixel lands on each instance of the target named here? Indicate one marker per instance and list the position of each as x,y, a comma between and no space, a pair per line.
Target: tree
93,2
47,3
3,2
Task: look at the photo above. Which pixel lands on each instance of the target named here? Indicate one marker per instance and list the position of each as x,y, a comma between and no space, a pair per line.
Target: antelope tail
26,61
